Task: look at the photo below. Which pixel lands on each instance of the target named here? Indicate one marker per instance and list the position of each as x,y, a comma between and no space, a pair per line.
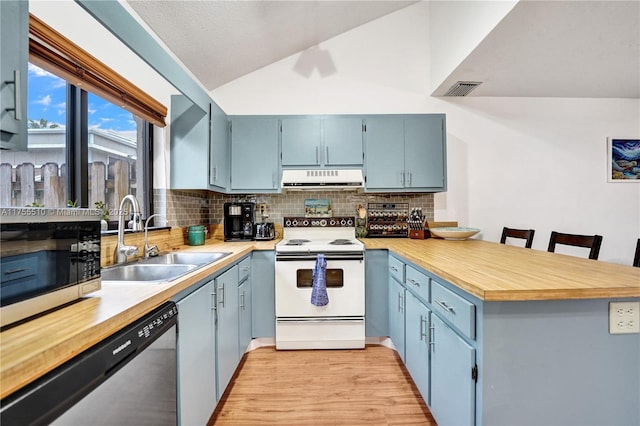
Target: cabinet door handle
17,95
246,268
432,337
393,268
14,271
273,179
326,158
410,179
213,300
215,173
402,177
414,282
242,300
317,156
445,306
423,330
400,303
221,295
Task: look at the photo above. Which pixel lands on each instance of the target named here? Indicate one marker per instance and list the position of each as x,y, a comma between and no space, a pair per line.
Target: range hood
322,180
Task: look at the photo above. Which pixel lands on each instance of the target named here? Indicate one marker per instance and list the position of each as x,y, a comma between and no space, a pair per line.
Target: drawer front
244,269
396,269
459,311
18,268
417,282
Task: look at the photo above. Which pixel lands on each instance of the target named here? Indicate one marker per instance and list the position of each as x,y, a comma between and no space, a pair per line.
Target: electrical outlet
262,210
624,317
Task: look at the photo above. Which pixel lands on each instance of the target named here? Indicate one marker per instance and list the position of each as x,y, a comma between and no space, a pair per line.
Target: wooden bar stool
524,234
592,242
636,259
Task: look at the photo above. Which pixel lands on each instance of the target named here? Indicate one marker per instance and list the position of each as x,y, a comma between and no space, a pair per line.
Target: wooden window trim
55,53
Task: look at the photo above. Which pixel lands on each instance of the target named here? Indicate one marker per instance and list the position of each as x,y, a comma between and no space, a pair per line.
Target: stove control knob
323,222
294,223
332,222
287,223
343,222
349,222
305,222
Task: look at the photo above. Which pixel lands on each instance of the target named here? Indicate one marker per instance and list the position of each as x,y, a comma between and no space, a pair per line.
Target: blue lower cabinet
227,331
263,290
417,317
244,316
453,381
396,315
196,355
376,293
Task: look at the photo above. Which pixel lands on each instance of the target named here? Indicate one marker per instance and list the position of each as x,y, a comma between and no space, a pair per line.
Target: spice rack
387,219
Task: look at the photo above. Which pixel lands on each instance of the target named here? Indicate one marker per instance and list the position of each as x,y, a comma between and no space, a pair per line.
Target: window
89,137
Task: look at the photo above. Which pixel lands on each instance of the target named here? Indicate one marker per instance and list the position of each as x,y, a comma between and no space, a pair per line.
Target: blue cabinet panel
189,145
219,149
452,385
342,137
424,159
244,313
227,327
376,293
384,152
263,315
301,139
14,51
196,356
254,154
417,343
396,316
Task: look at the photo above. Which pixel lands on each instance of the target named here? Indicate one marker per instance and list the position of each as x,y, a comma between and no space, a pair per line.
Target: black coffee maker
238,221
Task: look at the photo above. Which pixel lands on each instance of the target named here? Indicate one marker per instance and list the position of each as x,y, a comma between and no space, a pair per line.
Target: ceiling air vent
462,88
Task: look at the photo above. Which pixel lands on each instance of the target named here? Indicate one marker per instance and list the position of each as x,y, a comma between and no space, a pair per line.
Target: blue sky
47,99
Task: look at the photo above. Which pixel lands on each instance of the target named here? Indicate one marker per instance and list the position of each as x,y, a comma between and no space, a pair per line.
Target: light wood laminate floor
322,387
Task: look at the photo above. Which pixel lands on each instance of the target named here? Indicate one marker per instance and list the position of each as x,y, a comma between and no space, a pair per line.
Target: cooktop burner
341,242
297,242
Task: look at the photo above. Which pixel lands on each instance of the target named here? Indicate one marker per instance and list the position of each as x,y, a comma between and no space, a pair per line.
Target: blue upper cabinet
14,52
384,153
334,141
301,140
254,154
219,150
406,153
342,141
189,142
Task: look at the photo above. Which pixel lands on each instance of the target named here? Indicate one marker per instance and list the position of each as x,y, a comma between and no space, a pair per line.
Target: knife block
417,234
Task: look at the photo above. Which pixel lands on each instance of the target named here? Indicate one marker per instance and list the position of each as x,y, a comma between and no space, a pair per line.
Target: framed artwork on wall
624,160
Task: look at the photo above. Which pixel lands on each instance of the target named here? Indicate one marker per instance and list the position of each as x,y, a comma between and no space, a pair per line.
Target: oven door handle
313,257
318,320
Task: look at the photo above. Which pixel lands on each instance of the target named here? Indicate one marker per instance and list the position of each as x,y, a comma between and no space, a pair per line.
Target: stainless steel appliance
49,257
341,323
128,379
239,218
264,231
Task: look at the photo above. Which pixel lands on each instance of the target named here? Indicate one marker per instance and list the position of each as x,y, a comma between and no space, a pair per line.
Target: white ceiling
583,49
541,48
219,41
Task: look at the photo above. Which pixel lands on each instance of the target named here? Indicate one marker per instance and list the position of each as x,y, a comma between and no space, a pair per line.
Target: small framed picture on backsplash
623,160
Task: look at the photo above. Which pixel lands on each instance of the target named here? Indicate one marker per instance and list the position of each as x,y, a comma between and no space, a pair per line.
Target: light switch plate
624,317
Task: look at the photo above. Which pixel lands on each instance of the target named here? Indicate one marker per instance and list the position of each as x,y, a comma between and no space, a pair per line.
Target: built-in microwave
49,257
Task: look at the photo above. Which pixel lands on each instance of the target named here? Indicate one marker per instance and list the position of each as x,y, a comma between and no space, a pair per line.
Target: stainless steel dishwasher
127,379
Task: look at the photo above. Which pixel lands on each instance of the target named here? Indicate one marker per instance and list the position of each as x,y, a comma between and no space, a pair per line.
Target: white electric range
300,324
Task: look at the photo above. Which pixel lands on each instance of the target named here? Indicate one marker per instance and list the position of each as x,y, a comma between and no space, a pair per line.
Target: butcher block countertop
490,271
499,272
33,348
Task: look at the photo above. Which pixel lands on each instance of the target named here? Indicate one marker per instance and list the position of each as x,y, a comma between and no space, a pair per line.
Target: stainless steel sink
145,273
185,258
161,269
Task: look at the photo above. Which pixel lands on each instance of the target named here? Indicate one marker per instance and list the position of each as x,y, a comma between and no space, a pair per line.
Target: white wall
456,28
521,162
69,19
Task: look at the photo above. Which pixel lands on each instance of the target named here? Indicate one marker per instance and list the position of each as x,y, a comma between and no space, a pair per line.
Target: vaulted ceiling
541,48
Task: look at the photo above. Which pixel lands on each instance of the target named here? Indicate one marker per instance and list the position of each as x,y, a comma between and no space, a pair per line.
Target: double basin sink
161,269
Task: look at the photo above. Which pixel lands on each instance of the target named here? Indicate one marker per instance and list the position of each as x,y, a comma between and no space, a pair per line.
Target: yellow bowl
454,233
